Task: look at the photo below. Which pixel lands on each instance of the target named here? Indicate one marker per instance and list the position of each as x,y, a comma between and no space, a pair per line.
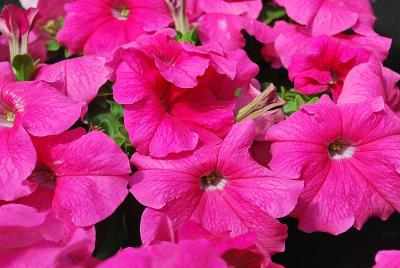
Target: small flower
16,24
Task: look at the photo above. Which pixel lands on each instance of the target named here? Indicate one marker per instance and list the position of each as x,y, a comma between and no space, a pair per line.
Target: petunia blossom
28,108
79,78
370,80
177,96
325,66
32,239
387,259
292,39
332,16
81,177
240,251
197,253
347,155
97,27
218,187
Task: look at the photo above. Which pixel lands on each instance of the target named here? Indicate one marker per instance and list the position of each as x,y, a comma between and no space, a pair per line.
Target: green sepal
53,45
190,36
23,67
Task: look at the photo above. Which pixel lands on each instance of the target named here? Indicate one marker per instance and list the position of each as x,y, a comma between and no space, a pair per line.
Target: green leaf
23,67
107,115
116,109
53,45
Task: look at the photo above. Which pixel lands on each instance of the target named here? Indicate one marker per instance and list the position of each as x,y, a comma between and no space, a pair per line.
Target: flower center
7,116
212,181
43,176
340,150
121,13
335,77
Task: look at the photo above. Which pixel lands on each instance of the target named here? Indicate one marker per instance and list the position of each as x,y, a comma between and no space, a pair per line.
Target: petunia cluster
105,100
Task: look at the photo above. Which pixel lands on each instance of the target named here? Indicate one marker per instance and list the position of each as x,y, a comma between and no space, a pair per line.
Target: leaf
108,116
53,45
272,15
23,67
295,99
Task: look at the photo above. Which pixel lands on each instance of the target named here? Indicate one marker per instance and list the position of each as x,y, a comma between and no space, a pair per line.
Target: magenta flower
325,66
32,239
189,253
83,178
28,108
99,26
347,155
240,251
370,80
16,24
220,187
387,259
161,117
293,39
78,78
332,16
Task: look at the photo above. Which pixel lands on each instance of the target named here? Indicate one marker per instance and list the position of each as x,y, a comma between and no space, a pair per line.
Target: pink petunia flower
325,66
189,253
240,251
32,239
28,108
347,155
332,16
292,39
370,80
79,79
82,178
97,27
220,187
387,259
177,96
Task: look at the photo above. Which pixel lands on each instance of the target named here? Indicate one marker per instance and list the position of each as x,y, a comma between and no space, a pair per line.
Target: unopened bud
268,100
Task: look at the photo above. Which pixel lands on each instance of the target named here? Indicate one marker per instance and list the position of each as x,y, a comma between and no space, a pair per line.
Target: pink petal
41,109
80,78
175,64
387,259
17,159
88,199
155,227
6,74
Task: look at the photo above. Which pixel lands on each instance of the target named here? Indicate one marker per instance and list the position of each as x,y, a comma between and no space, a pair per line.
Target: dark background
353,249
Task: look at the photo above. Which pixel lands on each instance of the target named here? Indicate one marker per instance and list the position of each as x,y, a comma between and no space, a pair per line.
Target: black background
353,249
